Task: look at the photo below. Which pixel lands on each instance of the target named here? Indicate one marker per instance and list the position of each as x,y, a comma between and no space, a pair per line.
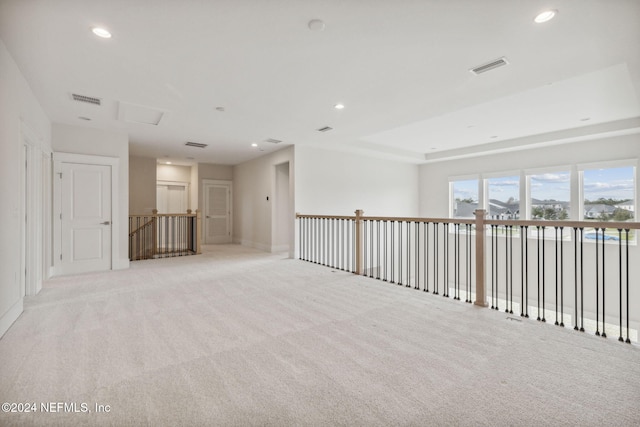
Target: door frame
58,160
228,183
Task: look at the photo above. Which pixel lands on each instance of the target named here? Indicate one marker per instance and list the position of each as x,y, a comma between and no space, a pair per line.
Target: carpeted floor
237,337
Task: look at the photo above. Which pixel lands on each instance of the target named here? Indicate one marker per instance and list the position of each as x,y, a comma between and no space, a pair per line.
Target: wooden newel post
198,231
481,293
358,242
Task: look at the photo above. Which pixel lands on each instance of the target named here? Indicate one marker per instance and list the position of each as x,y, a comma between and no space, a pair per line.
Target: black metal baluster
372,250
522,238
445,261
539,267
557,278
575,278
628,341
468,263
435,261
561,277
506,268
457,261
400,228
493,273
620,280
526,273
393,248
408,254
581,279
604,334
417,285
511,269
378,249
543,274
385,246
597,285
425,288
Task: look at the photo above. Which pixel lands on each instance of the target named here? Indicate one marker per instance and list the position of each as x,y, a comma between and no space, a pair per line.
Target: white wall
78,140
254,185
176,173
142,185
19,110
337,183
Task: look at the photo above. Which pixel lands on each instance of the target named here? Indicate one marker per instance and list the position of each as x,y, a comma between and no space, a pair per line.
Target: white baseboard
280,248
10,316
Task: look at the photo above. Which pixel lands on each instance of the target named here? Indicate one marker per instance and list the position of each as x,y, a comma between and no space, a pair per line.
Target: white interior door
85,196
217,212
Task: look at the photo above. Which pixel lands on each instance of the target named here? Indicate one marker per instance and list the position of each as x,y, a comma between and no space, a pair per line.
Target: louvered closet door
217,220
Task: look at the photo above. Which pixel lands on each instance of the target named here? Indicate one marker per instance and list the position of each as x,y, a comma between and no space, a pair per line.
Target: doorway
217,211
282,215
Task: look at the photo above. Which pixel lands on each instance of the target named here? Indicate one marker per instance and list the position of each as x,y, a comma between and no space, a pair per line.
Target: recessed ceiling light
84,118
101,32
221,109
545,16
167,163
338,106
585,119
254,145
494,136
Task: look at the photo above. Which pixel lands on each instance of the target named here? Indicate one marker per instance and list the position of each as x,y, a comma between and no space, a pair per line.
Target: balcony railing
572,273
164,235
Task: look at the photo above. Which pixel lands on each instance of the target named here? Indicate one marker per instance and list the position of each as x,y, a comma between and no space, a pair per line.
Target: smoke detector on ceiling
492,65
272,141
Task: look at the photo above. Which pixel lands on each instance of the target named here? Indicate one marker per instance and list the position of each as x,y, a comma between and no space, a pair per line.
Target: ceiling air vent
87,99
325,129
490,66
195,144
272,141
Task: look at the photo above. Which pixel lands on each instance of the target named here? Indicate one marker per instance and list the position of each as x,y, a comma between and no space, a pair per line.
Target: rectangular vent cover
195,144
325,129
273,141
490,66
87,99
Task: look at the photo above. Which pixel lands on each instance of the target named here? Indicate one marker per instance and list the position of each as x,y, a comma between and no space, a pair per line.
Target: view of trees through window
608,194
550,196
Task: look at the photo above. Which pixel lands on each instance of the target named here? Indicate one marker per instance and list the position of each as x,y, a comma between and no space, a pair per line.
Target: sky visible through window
466,190
551,186
611,183
504,188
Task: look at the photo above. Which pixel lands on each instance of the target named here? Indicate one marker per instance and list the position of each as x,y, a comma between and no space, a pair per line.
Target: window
464,198
550,196
608,194
503,197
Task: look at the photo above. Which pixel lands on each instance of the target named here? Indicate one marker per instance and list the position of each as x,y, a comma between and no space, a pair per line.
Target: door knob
106,223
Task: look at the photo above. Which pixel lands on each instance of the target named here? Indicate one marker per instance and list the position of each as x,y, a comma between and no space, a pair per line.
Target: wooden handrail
513,222
142,226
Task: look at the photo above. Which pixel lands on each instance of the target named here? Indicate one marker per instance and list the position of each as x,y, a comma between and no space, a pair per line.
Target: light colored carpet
237,337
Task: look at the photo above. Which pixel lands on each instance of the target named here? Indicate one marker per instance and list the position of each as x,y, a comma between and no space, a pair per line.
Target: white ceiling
400,67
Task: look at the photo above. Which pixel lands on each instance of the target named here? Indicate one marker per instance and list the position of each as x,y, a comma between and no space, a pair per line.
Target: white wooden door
85,196
217,213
